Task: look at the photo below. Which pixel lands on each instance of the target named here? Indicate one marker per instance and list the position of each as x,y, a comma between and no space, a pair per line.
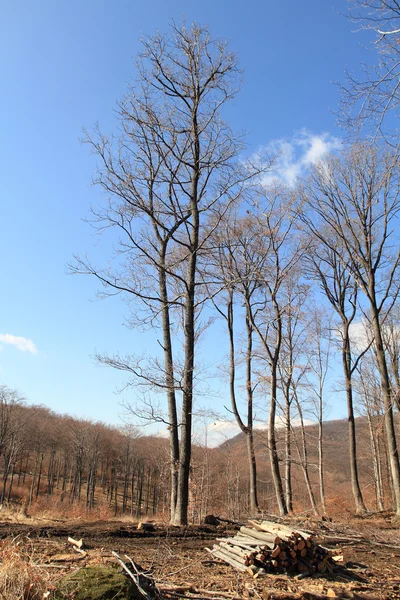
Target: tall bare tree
369,391
370,103
279,250
340,289
355,201
173,166
291,365
391,340
232,269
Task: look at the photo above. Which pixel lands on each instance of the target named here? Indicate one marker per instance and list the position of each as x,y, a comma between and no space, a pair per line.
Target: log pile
268,547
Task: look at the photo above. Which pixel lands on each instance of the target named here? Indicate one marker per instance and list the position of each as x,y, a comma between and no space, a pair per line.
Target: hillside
336,463
56,463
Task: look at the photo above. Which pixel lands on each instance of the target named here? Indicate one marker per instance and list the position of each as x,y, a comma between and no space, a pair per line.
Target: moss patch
96,583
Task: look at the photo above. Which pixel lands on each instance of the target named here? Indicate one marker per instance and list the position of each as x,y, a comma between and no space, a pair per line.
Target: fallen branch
135,578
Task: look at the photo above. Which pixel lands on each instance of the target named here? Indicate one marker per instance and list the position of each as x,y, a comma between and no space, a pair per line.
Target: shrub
20,577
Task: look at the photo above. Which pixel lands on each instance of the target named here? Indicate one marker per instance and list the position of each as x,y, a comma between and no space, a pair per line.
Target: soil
176,557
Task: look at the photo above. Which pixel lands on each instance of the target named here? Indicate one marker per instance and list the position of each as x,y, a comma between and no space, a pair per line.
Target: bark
288,458
376,462
185,450
387,403
246,429
355,484
253,495
321,457
304,458
272,446
169,379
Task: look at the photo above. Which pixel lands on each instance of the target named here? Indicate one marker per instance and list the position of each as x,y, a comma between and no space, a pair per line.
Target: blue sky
63,66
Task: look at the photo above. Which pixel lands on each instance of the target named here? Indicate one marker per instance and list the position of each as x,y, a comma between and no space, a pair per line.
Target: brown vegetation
57,466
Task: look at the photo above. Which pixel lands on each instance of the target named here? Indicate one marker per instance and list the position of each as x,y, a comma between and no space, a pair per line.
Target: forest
59,466
302,275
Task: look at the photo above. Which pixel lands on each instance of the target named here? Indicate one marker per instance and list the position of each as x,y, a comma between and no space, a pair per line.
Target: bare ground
182,568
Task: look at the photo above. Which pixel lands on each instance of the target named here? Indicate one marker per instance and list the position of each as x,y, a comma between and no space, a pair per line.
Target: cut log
234,550
145,526
77,543
230,560
259,535
279,550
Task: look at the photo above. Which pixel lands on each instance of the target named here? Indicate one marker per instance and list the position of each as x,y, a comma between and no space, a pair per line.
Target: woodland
298,283
303,278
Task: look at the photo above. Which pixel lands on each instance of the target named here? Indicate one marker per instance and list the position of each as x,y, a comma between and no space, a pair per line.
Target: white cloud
359,334
297,154
219,431
21,343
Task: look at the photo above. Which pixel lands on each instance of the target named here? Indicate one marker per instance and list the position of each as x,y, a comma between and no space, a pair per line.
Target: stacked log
268,547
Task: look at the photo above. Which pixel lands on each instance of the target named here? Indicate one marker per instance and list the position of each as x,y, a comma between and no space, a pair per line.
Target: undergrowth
21,578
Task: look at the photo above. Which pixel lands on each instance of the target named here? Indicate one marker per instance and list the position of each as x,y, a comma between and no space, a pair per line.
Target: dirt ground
182,568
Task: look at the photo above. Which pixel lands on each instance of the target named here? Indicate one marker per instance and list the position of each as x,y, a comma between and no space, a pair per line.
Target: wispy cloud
296,154
21,343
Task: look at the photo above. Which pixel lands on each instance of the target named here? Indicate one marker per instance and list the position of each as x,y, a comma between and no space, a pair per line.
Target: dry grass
20,577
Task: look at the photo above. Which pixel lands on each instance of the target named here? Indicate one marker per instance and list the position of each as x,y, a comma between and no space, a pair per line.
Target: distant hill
336,463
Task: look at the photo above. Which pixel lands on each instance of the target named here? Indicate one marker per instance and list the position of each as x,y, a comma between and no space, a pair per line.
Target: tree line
67,466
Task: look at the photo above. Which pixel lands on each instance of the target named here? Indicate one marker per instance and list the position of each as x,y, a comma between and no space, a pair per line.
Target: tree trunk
185,449
355,485
252,474
181,511
273,452
253,495
288,453
304,458
11,484
321,457
169,378
388,406
376,463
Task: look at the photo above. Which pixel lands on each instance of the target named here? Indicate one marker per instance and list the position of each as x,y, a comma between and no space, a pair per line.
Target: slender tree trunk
11,483
171,396
5,478
304,458
355,484
132,489
139,487
33,479
252,473
288,453
253,495
273,451
247,430
39,475
375,463
116,497
185,450
388,406
321,456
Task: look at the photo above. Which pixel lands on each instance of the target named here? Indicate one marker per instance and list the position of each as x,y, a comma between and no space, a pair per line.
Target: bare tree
340,289
232,268
279,250
291,369
391,340
370,393
318,363
173,166
371,102
355,200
